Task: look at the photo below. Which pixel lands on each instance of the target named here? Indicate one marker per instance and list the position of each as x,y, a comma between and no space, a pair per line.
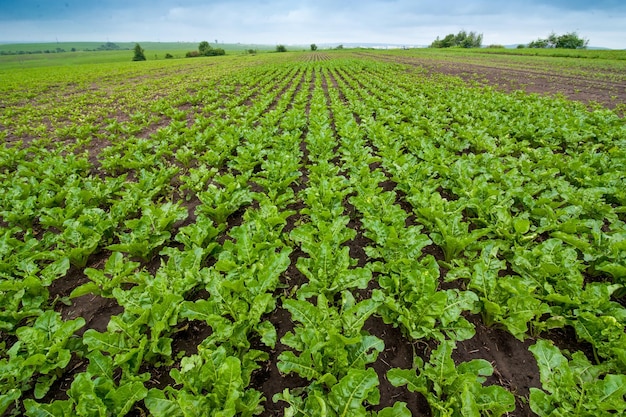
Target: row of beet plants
409,286
328,346
494,203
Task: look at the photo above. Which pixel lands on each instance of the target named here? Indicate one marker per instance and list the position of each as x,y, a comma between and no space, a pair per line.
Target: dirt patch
586,88
268,379
514,366
398,353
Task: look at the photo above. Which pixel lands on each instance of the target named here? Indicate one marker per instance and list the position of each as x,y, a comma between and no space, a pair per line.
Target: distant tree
251,51
139,53
540,43
169,56
461,40
281,48
567,41
109,46
339,47
313,47
571,41
204,48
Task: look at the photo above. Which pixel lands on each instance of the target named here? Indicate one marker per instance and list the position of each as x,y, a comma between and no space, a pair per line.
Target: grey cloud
305,21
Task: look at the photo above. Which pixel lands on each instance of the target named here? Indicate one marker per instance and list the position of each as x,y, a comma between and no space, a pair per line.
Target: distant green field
552,52
596,54
30,55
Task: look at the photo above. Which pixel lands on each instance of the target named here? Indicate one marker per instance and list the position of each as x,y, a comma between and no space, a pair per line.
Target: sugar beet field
312,234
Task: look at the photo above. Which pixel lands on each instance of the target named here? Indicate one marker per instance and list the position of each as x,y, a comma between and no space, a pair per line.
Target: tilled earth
604,87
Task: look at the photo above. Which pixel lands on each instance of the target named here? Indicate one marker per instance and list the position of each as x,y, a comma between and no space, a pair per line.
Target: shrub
313,47
461,39
169,56
567,41
204,48
214,52
281,48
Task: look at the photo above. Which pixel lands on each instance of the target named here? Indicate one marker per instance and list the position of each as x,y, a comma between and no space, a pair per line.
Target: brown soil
514,367
584,88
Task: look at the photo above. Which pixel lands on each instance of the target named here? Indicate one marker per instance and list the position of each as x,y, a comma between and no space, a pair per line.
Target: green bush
281,48
139,53
461,39
204,49
566,41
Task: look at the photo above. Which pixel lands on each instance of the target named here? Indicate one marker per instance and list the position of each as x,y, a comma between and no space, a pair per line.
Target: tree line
465,39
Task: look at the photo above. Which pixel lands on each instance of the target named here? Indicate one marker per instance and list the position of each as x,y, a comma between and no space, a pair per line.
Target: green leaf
443,368
55,270
100,365
496,400
10,397
268,334
229,384
399,409
126,396
478,367
610,393
87,288
550,362
414,383
521,225
304,312
349,394
469,408
43,385
288,362
354,317
540,403
364,352
54,409
159,406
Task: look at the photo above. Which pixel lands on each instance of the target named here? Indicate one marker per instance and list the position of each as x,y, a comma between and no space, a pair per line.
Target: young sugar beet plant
38,357
454,390
150,231
334,354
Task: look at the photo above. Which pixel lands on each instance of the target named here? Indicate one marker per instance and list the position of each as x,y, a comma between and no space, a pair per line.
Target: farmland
351,233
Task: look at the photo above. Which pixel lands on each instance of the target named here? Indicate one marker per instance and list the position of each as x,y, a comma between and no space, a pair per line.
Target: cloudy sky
405,22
